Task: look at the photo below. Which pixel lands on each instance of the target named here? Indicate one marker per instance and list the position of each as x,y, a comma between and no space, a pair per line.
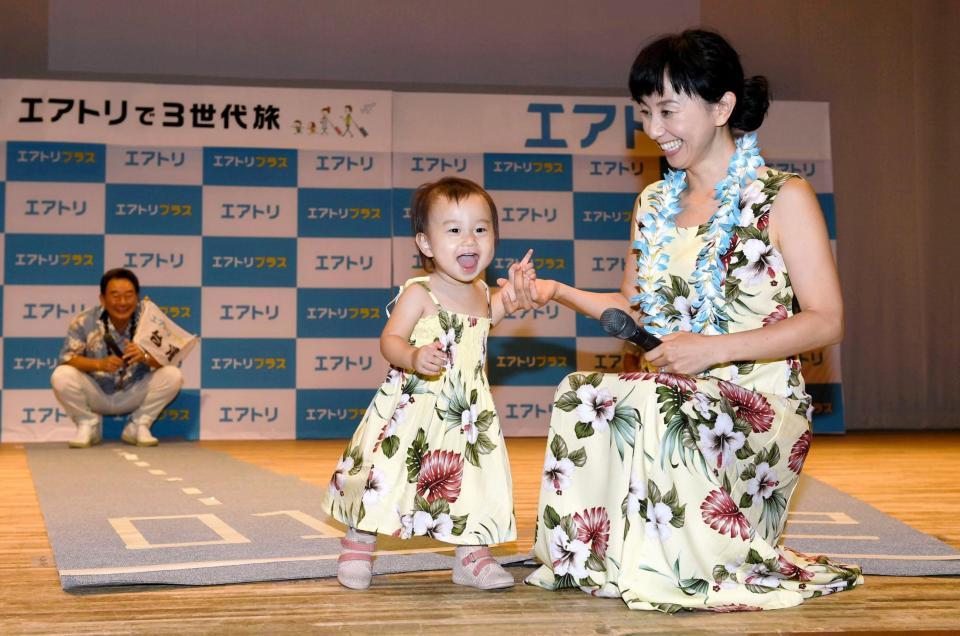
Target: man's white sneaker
87,436
138,435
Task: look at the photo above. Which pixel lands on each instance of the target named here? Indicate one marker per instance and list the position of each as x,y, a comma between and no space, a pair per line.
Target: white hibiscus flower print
658,520
448,343
340,475
556,474
596,406
569,555
762,260
721,442
636,493
685,306
468,424
375,487
762,486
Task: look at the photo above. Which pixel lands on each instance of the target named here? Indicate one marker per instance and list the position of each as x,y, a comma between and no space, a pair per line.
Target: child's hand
429,359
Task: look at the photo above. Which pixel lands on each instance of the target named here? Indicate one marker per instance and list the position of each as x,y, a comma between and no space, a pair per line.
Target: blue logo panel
827,407
245,262
829,213
181,304
56,161
28,362
249,363
531,361
180,418
602,215
330,413
553,259
154,209
271,167
343,212
402,199
528,172
588,327
50,259
342,313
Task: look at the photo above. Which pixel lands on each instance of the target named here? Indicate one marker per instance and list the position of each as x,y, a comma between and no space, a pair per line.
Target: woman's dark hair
701,63
452,189
116,273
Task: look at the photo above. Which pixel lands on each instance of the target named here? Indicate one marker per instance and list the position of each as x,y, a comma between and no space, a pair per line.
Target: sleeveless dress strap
423,281
487,289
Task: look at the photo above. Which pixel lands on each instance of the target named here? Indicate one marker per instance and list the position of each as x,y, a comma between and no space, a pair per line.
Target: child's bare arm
395,338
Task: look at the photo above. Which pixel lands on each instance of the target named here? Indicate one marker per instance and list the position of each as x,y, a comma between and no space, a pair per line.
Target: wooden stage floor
914,477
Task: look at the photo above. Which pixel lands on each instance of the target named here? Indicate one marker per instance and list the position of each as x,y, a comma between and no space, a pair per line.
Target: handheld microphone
619,324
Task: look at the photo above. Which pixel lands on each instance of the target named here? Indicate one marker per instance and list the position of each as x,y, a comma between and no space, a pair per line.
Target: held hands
523,290
429,359
685,353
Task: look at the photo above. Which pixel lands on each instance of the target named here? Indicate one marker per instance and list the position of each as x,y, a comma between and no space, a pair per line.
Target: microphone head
617,323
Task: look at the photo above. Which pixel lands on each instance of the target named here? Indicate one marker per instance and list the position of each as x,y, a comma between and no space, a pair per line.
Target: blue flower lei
657,231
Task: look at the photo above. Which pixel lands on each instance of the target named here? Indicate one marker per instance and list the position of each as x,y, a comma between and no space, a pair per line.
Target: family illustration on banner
667,487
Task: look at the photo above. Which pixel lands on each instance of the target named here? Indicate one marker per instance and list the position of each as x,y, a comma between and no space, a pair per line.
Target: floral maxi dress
671,491
428,458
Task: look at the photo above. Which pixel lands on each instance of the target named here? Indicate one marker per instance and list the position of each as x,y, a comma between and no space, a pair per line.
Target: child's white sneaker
475,566
138,435
355,564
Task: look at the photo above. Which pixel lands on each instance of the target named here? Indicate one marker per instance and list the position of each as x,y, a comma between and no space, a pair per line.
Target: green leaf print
667,608
624,425
390,445
483,446
583,429
679,287
362,513
415,455
414,385
567,402
569,527
749,472
357,456
746,500
565,582
550,517
745,368
558,447
595,563
444,319
758,589
692,587
745,451
439,507
770,455
587,582
459,524
578,457
720,573
484,420
774,507
653,492
595,379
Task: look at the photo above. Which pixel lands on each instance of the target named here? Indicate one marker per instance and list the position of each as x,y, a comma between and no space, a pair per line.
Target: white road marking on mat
157,471
141,464
130,457
832,518
209,501
191,491
174,478
134,539
898,557
198,565
326,531
848,537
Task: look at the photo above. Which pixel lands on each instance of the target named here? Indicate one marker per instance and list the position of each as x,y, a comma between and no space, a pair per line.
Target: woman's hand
686,353
429,359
